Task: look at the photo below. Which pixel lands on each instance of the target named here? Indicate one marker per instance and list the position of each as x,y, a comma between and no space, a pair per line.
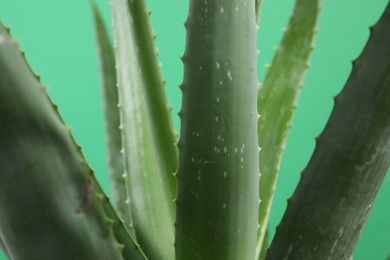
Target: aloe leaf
265,246
112,120
148,142
218,175
258,6
163,133
52,206
327,211
278,97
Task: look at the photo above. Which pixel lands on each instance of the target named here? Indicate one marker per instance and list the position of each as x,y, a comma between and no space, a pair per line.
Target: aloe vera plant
206,194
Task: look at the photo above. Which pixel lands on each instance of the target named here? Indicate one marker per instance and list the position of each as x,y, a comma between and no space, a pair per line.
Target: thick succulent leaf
51,204
218,175
148,139
112,120
278,98
326,213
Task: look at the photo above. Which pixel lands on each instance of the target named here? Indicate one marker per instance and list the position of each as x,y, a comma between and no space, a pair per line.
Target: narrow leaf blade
112,119
278,98
258,6
148,140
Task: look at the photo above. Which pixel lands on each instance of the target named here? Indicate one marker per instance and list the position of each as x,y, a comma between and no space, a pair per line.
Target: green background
59,42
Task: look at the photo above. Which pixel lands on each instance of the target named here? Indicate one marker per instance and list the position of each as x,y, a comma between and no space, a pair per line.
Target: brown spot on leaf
87,196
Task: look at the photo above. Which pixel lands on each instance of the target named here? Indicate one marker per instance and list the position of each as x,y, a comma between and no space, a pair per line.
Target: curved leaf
325,215
51,204
278,97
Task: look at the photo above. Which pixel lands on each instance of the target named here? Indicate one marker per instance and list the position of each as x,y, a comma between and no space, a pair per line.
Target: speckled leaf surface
218,175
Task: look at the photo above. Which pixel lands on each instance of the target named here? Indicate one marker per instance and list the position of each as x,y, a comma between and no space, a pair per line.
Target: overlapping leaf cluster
52,207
